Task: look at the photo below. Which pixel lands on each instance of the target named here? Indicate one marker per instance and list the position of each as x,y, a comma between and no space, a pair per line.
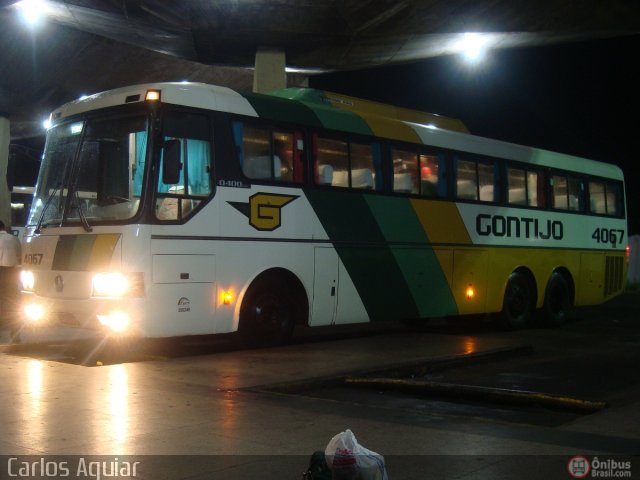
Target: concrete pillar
5,195
270,71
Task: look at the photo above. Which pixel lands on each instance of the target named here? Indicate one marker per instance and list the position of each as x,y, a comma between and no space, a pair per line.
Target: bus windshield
91,172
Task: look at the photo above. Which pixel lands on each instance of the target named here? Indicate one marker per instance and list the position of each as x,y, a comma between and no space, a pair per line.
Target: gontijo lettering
518,227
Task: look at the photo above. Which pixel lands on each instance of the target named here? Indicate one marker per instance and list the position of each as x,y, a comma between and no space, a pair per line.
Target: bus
22,173
21,198
177,209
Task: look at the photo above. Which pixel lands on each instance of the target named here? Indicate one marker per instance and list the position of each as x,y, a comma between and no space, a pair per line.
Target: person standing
10,255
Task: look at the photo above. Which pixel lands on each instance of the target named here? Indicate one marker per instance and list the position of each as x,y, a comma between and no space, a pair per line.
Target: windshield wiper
76,203
46,206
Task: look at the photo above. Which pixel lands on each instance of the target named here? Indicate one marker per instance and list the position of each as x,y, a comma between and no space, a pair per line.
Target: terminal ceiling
85,46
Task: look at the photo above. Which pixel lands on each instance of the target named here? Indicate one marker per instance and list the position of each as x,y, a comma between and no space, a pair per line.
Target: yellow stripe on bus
369,108
102,251
443,225
441,222
389,128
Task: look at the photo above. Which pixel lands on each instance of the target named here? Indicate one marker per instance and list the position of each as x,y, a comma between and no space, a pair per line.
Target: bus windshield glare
91,172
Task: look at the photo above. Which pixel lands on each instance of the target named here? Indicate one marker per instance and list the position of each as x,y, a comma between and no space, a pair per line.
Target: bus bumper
101,315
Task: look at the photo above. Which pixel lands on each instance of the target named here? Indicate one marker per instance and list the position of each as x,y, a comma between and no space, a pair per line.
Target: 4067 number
612,236
33,258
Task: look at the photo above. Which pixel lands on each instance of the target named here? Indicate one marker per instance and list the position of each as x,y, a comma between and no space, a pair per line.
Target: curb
503,395
417,367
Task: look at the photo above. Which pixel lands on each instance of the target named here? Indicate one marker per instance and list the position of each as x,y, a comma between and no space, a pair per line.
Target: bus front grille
68,319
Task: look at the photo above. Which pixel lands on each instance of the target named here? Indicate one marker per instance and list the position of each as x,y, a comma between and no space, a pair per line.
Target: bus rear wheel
557,300
518,306
266,313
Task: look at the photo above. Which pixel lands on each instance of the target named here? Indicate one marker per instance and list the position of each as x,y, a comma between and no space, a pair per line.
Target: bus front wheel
265,314
517,307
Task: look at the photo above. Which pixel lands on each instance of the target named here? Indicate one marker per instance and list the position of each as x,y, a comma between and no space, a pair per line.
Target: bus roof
368,108
317,108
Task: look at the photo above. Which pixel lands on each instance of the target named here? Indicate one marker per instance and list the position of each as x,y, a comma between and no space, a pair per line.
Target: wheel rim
269,314
517,300
557,300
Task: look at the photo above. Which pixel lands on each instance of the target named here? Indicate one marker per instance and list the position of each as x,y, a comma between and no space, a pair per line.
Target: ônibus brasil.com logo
581,467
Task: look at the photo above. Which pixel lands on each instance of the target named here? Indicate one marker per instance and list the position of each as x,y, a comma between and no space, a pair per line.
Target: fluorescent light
32,10
473,46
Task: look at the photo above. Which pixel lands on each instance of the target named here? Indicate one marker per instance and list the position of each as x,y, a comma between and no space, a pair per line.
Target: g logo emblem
264,210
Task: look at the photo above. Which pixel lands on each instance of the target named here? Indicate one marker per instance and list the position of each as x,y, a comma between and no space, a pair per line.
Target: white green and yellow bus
177,209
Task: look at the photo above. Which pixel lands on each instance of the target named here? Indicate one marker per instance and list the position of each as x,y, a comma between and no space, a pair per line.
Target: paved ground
226,413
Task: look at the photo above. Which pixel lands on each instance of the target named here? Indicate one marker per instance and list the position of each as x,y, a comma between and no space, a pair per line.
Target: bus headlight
116,284
116,321
110,284
28,280
34,312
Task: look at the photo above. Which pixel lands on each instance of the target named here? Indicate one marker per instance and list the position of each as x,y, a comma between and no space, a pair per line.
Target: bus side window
137,154
525,187
559,192
332,162
614,199
605,198
363,170
487,182
536,193
466,180
283,149
269,155
516,186
405,171
177,201
341,163
476,180
575,191
256,160
597,198
431,176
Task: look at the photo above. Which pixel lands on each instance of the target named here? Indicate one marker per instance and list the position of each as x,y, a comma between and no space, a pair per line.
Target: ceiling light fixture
32,10
473,47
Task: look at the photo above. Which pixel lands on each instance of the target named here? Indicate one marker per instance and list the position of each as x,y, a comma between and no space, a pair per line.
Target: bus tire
266,313
557,301
518,303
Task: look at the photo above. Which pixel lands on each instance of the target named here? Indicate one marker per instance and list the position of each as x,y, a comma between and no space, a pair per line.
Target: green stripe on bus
361,246
336,119
330,116
73,252
64,252
420,267
283,110
82,249
80,252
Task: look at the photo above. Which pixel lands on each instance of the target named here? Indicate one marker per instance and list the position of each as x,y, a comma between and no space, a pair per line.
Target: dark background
579,98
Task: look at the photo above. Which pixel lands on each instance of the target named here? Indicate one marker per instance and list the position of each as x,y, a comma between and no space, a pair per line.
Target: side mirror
171,164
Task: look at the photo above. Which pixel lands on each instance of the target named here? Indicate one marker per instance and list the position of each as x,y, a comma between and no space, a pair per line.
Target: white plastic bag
349,460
